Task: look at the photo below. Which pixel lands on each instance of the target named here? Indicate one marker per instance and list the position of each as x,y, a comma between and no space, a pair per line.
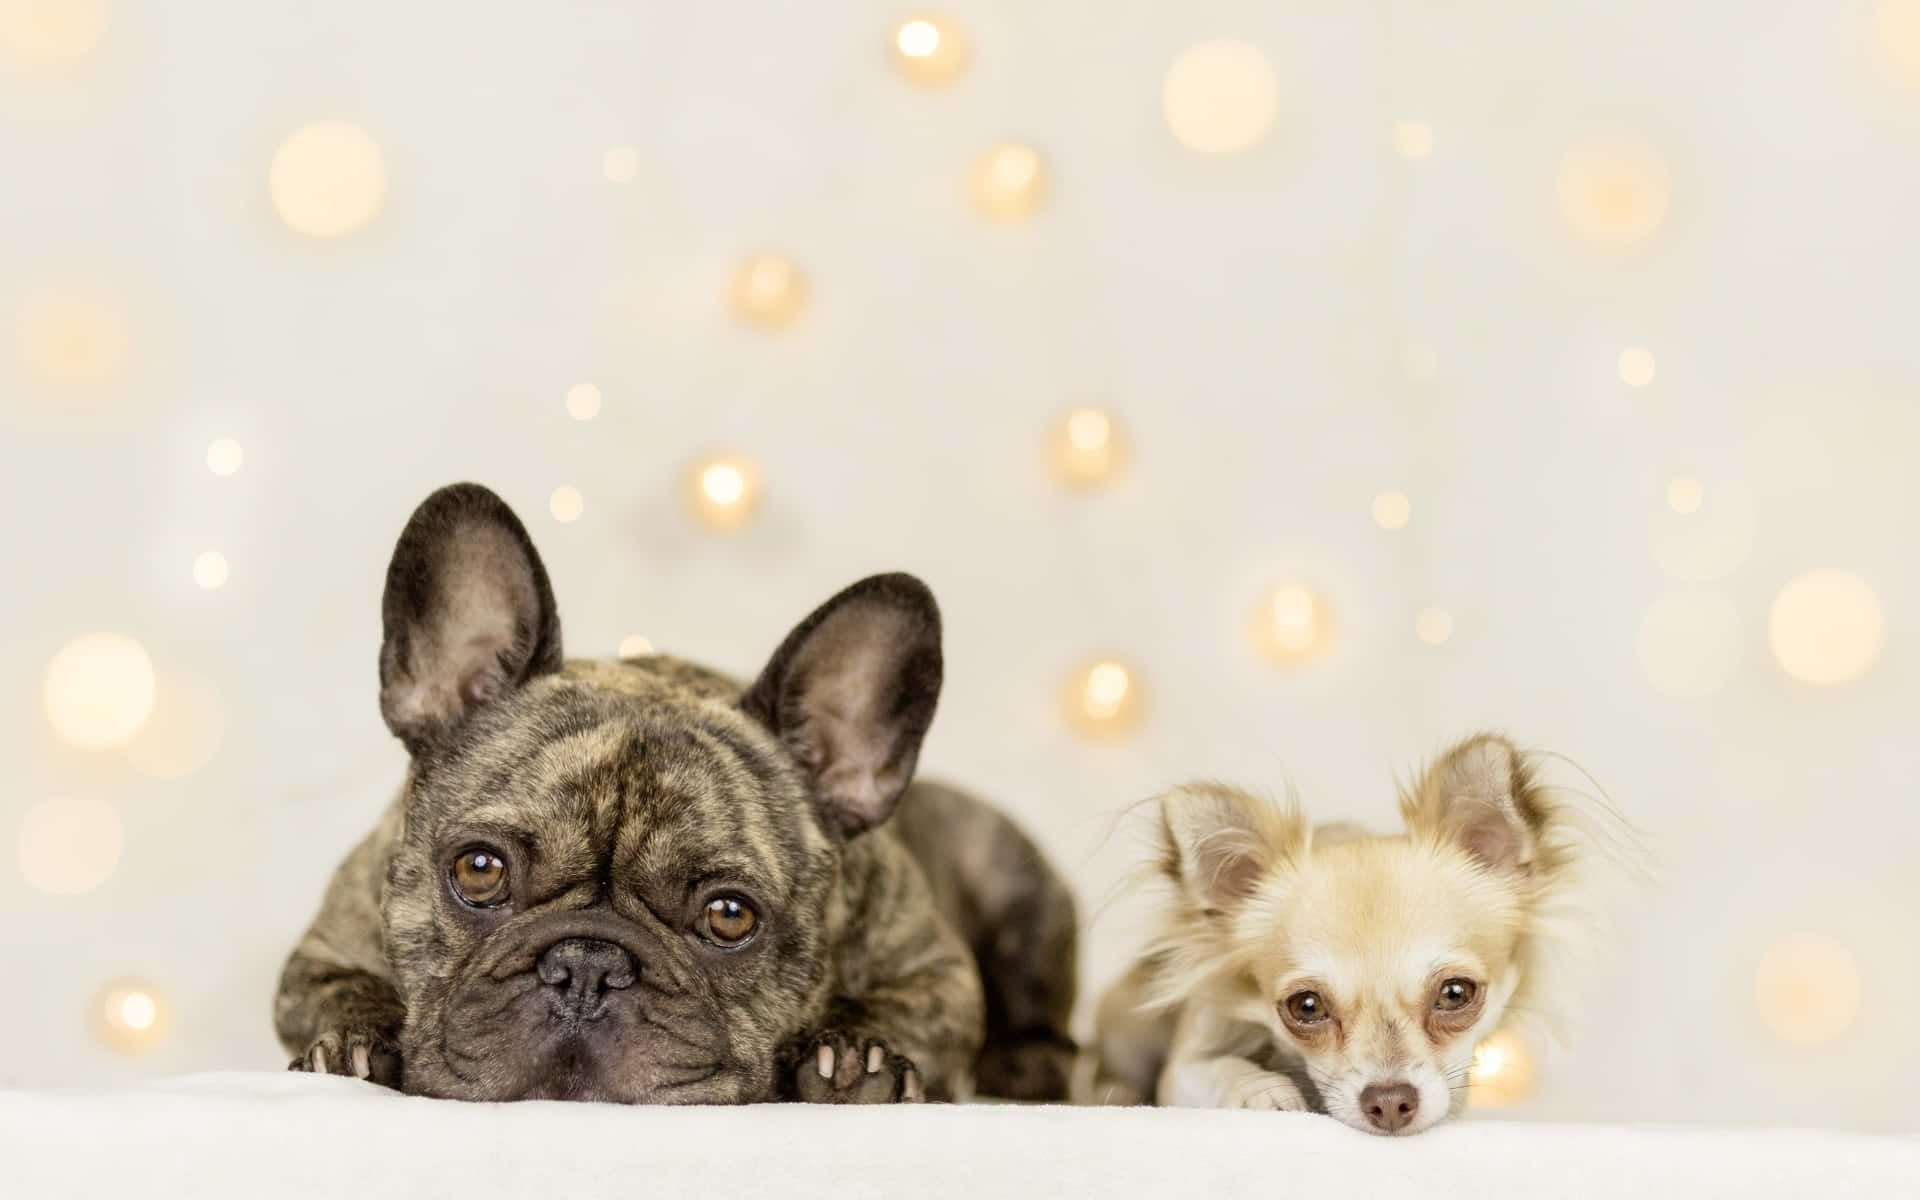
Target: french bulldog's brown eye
480,877
728,921
1455,994
1306,1008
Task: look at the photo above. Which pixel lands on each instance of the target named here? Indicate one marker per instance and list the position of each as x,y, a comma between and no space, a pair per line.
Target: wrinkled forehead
637,786
1383,915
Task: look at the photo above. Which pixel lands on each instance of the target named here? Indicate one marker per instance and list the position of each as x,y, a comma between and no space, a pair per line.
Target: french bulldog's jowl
637,881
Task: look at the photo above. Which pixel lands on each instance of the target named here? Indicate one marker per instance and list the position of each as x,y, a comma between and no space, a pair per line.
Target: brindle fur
623,794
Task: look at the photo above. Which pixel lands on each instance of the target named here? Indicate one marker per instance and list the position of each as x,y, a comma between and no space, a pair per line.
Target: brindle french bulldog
637,881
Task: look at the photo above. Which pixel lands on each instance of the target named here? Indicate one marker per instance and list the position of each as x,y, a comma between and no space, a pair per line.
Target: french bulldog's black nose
1390,1106
581,971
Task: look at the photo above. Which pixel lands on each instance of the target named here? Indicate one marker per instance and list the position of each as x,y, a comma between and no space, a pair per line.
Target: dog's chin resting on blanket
639,881
1341,972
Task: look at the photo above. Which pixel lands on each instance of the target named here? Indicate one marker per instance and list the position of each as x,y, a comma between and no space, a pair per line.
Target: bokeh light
224,456
1897,38
51,34
328,179
1088,447
1826,627
1220,96
930,50
1685,494
1433,626
1613,188
566,504
1009,182
1292,624
130,1016
99,690
69,846
210,569
1412,140
72,337
635,646
1392,510
1807,987
583,402
723,490
1502,1073
184,732
767,292
1102,698
1690,643
620,164
1636,366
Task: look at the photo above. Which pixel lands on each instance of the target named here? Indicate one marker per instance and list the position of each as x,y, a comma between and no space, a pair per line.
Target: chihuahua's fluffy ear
1479,798
1217,841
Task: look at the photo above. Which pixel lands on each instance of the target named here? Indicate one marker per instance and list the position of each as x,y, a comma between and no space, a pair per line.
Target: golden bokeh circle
1503,1071
1614,189
1102,698
929,49
1220,96
1292,624
327,179
98,690
723,490
130,1016
1392,510
72,339
767,291
1434,626
1826,627
69,846
1088,447
1008,183
1412,140
51,34
1807,988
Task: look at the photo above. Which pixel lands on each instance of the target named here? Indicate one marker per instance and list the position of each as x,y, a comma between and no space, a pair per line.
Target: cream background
1244,317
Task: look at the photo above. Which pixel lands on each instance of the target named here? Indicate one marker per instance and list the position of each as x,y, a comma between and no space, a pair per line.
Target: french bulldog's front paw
362,1053
843,1068
1266,1091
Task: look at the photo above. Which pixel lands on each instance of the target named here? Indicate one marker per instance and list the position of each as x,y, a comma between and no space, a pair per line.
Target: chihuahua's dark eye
1306,1008
479,877
728,921
1455,994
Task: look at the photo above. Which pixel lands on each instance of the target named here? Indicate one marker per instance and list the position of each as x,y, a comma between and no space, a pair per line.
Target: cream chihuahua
1334,971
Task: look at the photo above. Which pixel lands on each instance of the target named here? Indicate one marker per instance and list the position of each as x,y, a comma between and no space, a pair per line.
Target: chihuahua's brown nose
1390,1106
581,971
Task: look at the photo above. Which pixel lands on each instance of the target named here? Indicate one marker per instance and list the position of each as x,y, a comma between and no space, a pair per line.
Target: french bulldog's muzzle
586,1005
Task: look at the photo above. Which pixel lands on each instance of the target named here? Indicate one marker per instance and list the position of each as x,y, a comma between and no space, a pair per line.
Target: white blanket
257,1135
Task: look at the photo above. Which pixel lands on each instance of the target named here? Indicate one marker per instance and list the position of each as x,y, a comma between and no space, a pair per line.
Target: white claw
319,1060
912,1090
825,1062
362,1064
874,1057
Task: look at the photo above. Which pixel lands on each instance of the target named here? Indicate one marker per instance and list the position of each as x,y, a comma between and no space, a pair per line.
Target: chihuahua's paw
361,1053
1265,1091
842,1068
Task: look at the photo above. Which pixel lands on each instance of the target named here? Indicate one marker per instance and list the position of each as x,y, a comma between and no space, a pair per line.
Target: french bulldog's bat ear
1475,797
852,691
468,614
1216,842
